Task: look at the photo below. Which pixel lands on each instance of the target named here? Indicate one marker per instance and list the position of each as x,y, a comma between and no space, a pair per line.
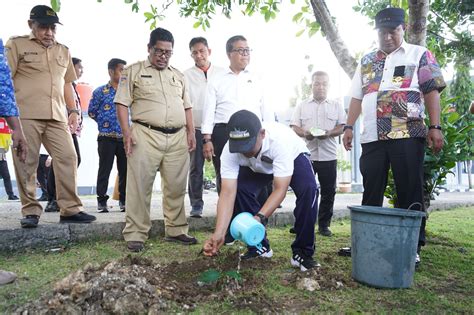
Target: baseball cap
390,17
44,15
243,128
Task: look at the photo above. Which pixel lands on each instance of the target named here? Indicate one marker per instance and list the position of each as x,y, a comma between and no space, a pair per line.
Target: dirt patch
140,285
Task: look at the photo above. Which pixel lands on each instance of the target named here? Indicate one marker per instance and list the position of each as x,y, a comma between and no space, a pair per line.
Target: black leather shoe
325,231
30,221
182,239
80,217
135,246
52,206
13,197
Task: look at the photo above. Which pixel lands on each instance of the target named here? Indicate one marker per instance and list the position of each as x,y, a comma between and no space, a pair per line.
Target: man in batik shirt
391,87
110,138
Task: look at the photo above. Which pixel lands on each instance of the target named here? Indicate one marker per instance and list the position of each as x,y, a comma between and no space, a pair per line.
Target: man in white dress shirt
327,115
197,78
235,89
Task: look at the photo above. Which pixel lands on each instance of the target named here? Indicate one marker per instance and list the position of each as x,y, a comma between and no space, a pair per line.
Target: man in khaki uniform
43,73
161,134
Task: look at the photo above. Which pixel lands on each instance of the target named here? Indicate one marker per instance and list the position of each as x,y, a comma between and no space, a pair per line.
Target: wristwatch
435,127
347,127
204,141
263,219
70,111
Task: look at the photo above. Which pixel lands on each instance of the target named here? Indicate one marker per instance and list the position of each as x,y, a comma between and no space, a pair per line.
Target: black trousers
219,139
327,177
51,182
109,148
42,174
5,174
405,157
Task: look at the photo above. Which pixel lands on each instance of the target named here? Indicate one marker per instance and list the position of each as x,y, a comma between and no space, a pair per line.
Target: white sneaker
417,260
257,252
304,262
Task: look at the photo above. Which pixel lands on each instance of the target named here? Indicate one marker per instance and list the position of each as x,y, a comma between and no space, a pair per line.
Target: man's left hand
435,140
191,141
73,122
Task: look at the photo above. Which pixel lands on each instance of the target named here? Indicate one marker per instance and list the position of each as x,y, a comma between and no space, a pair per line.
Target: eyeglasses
162,52
242,51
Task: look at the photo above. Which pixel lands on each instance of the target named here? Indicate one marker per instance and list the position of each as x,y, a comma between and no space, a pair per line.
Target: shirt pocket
331,119
176,87
62,64
401,76
307,120
33,63
145,87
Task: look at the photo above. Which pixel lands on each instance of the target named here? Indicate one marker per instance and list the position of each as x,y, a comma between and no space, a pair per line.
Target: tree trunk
330,31
416,31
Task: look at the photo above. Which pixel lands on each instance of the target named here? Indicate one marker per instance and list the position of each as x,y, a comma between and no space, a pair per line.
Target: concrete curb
50,235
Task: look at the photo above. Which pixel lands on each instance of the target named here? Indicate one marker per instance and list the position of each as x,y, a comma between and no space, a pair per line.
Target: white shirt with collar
280,147
406,55
230,92
324,115
197,81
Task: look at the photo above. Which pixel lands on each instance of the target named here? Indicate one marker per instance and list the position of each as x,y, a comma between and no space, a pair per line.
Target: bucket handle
416,204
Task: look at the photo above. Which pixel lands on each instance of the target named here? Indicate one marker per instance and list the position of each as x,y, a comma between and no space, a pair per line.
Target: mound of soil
139,285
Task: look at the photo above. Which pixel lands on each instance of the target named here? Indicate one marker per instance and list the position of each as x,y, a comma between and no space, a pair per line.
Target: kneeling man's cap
243,128
390,17
44,15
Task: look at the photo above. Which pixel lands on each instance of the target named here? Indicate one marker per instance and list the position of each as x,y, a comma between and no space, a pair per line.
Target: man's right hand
208,151
212,245
347,139
128,143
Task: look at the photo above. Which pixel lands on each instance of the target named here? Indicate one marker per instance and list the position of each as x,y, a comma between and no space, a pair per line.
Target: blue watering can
246,229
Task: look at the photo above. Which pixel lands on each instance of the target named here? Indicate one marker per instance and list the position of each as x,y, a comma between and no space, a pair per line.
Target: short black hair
230,42
75,60
114,62
160,34
319,74
197,40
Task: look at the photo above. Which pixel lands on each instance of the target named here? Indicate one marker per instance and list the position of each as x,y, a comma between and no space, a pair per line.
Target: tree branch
330,31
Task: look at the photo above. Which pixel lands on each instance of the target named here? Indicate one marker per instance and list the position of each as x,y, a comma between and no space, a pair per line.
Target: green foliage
437,167
212,276
56,5
303,90
209,276
343,165
456,148
209,171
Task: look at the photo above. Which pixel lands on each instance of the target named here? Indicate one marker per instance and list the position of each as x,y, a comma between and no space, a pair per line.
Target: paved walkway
109,225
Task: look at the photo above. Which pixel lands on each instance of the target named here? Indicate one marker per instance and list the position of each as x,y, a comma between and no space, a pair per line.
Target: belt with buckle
161,129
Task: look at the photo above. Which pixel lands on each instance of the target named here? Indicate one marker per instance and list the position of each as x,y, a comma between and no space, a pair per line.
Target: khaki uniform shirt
156,97
325,115
39,75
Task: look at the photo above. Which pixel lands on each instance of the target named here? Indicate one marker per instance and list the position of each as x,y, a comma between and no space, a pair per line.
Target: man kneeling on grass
253,157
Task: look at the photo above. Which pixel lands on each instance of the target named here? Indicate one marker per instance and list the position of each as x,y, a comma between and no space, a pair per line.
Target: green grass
443,284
